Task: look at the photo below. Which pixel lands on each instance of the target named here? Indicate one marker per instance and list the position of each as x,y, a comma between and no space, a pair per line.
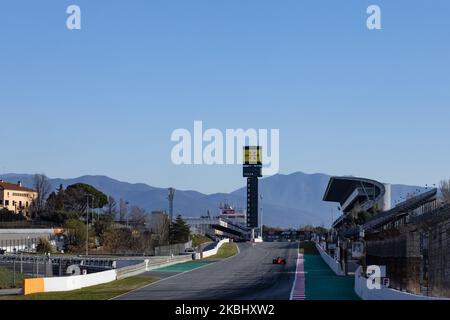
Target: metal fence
33,266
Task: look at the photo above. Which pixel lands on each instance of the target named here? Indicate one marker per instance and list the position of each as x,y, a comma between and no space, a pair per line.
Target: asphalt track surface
250,275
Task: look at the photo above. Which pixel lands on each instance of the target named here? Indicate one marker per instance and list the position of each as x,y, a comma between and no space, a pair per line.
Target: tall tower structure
252,171
170,197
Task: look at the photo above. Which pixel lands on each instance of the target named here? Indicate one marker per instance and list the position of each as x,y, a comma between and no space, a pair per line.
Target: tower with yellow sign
252,171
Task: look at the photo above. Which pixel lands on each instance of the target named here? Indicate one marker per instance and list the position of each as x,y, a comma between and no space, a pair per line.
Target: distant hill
288,200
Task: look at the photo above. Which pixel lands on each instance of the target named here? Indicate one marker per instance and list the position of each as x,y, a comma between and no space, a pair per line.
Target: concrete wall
333,264
384,293
62,284
213,252
78,282
132,270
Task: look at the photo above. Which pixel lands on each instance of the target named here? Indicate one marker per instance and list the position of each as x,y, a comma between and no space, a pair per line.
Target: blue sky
105,99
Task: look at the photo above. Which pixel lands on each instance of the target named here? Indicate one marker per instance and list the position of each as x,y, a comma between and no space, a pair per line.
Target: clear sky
105,99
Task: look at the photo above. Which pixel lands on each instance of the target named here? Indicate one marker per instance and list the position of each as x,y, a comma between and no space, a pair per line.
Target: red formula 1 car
279,261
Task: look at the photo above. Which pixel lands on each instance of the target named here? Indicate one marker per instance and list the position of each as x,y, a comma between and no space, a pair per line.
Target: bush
58,216
120,240
9,216
362,218
75,233
199,240
44,247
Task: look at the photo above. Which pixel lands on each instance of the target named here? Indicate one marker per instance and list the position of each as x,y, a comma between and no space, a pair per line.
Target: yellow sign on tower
252,155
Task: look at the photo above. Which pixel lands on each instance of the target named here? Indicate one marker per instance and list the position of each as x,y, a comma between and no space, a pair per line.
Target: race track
247,276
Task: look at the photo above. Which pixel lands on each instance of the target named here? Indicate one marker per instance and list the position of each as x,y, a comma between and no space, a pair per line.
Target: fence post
14,273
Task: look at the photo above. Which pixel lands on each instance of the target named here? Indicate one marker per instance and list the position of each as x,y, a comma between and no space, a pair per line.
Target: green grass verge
183,267
100,292
226,251
199,240
7,279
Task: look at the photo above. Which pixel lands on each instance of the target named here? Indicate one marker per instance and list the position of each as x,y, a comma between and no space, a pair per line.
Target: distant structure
158,222
252,171
16,198
408,242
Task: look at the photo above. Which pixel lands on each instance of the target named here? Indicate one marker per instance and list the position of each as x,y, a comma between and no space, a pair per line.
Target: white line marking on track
177,275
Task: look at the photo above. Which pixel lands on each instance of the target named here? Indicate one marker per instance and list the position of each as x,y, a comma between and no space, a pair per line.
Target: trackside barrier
71,283
31,286
152,265
132,271
213,252
333,264
362,290
62,284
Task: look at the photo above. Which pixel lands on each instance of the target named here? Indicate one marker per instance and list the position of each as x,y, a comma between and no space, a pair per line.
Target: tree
59,217
180,232
111,207
137,217
102,226
120,241
123,209
160,227
55,201
42,186
44,246
147,243
75,233
76,198
445,191
80,196
362,217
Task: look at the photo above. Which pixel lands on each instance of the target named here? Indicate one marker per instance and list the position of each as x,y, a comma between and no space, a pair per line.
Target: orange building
16,198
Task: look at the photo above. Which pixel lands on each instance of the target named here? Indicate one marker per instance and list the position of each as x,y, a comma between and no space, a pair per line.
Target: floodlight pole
171,197
261,219
87,223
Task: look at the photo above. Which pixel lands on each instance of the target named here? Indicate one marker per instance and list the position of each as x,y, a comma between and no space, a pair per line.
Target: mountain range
288,200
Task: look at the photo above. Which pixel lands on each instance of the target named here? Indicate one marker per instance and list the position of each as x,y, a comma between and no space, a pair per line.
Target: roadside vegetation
226,251
198,240
101,292
115,228
7,279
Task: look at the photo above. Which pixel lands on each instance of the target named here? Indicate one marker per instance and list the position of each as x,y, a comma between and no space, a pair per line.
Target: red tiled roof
15,187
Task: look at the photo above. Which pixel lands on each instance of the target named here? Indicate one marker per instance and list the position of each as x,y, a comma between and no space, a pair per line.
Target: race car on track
279,261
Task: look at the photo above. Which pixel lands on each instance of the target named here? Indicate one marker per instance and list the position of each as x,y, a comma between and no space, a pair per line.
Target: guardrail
333,264
131,271
62,284
212,252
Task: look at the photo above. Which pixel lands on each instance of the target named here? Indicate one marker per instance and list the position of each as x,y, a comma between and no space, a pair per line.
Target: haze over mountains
288,200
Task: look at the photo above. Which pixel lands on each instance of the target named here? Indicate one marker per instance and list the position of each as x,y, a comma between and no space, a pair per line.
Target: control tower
252,171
